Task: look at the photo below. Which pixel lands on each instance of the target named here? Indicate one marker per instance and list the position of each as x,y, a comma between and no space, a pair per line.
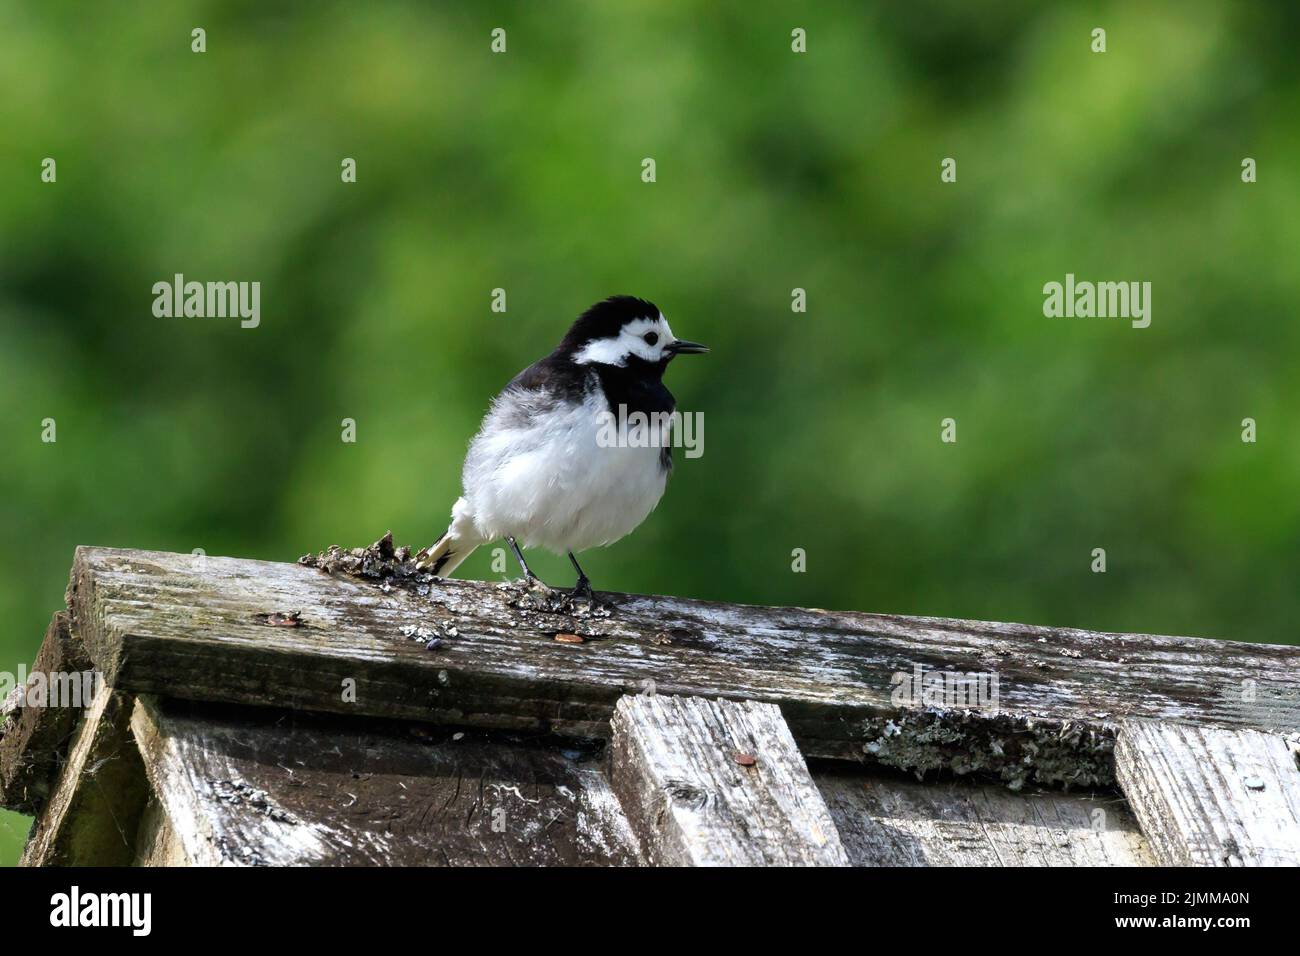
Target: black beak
682,347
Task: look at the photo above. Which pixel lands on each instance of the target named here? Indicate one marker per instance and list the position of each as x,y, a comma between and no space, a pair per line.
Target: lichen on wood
377,561
482,654
1015,748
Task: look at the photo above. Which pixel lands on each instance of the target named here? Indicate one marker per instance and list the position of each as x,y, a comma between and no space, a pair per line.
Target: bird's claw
585,601
536,585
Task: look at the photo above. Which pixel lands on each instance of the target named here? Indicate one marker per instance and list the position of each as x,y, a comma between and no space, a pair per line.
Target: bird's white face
647,339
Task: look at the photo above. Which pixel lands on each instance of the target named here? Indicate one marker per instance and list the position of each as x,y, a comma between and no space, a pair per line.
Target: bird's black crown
604,320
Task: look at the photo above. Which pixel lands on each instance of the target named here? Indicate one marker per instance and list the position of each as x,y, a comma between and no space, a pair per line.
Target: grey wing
510,424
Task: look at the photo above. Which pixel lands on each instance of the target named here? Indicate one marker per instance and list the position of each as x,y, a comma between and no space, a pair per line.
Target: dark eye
651,338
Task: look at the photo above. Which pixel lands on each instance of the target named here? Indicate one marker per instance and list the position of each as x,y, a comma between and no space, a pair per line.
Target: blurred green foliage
775,171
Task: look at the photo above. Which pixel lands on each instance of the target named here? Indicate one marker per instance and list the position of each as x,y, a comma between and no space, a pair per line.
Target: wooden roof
255,712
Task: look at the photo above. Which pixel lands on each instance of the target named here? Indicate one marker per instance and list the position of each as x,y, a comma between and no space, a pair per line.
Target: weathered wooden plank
90,817
1211,797
717,783
887,821
36,725
156,843
240,786
283,635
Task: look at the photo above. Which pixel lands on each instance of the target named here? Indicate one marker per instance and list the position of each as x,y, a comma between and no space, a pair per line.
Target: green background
775,171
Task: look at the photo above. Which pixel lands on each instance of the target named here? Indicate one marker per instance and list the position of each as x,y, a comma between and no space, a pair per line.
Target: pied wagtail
542,473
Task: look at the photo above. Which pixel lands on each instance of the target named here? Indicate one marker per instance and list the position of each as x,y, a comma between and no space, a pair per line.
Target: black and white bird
543,471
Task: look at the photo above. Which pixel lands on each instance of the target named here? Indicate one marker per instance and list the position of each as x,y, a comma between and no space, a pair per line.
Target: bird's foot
535,585
584,600
536,594
582,591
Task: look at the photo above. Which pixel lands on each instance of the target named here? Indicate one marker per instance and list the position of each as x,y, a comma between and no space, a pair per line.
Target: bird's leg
530,580
583,588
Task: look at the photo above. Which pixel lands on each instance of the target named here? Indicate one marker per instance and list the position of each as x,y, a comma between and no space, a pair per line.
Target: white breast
545,477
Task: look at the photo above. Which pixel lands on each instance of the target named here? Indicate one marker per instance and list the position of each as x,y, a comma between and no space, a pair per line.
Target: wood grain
91,815
283,635
717,783
34,739
887,821
1211,797
249,787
